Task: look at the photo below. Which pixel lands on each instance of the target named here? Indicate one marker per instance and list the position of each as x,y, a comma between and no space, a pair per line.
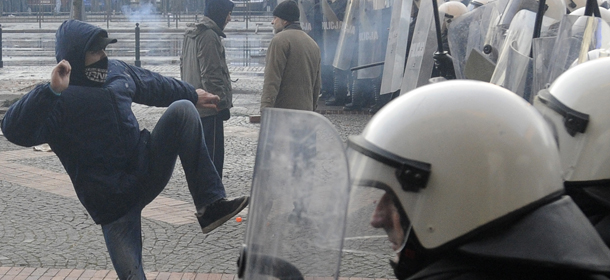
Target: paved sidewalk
30,273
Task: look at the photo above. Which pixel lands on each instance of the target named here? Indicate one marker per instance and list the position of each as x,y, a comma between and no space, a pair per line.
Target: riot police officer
471,188
576,107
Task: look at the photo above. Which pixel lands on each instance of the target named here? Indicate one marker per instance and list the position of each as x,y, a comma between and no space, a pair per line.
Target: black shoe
221,211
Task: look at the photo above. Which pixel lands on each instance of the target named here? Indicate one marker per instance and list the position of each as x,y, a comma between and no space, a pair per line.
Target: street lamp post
138,62
1,62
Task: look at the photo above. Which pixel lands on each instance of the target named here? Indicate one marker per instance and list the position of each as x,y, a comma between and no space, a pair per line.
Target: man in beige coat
292,71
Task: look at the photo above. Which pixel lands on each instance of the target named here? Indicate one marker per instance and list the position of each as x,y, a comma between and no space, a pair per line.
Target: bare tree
177,6
78,10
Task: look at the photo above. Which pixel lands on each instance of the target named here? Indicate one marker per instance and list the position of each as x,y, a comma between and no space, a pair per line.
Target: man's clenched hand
206,99
60,76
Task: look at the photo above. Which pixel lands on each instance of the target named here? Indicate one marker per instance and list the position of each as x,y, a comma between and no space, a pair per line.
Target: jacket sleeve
211,67
154,89
274,69
30,120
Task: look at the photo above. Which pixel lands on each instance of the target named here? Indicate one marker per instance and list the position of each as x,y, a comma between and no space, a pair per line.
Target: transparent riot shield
576,37
542,56
542,50
333,14
420,61
511,9
513,68
372,31
514,7
347,37
468,32
396,51
299,199
494,41
307,9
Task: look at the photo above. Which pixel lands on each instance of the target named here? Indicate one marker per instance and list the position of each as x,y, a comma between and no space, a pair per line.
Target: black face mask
97,72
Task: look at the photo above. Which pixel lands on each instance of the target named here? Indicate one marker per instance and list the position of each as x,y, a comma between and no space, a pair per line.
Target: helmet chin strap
411,259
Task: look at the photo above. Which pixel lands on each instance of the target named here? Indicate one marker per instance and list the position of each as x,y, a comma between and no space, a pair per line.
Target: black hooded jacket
93,130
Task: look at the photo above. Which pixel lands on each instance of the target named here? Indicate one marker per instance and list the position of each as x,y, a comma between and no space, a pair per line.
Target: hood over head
72,40
195,29
218,10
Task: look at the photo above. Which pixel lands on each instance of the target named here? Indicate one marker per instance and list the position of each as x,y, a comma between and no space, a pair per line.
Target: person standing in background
203,64
292,67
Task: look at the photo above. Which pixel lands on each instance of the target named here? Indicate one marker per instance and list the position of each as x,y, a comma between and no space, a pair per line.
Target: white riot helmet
576,105
457,155
573,5
604,13
452,10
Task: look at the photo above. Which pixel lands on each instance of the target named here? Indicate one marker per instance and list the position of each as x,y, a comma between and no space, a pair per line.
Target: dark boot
327,82
380,100
357,87
339,88
371,92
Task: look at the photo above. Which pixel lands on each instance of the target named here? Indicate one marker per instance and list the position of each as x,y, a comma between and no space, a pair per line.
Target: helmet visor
377,226
568,127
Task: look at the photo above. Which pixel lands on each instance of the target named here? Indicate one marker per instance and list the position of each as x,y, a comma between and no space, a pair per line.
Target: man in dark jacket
85,115
203,65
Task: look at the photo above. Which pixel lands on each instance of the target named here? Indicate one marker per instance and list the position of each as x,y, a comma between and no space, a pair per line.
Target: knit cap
287,10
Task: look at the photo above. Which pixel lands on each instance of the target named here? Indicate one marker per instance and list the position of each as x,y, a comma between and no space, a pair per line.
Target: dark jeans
178,133
213,129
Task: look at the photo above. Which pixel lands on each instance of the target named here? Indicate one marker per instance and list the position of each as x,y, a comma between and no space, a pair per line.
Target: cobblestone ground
42,224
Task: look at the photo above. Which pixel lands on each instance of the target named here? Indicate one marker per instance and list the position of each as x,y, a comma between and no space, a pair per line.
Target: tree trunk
78,10
177,6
